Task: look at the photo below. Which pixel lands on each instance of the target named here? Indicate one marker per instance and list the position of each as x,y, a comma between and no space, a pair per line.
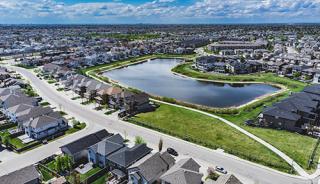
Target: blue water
155,77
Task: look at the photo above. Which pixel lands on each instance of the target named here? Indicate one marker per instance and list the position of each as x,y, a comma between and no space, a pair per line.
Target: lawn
102,179
298,147
78,127
89,173
293,85
209,132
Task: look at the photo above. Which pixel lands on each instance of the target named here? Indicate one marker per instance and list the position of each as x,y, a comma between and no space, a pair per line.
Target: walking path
290,161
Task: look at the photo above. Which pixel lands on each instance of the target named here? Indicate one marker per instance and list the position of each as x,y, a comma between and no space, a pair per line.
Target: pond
155,77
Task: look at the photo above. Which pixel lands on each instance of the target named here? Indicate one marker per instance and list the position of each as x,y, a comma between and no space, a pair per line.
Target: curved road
249,171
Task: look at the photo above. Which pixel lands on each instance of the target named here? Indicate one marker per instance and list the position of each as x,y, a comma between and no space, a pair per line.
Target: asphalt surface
251,172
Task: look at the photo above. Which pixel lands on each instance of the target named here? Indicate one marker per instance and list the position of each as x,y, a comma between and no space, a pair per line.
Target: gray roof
228,179
186,171
153,166
15,99
19,108
41,121
127,156
21,176
109,145
86,141
33,113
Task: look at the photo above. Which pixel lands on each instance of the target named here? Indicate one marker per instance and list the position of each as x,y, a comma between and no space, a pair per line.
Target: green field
298,147
209,132
292,85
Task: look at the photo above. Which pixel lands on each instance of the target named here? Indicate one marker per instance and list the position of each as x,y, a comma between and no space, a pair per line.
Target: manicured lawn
89,173
102,179
296,146
76,128
209,132
46,175
293,85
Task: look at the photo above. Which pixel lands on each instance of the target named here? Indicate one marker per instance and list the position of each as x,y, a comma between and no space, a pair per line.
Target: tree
139,140
5,140
75,178
160,145
59,164
68,162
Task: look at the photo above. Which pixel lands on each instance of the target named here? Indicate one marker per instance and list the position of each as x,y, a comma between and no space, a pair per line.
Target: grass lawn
102,179
296,146
44,104
76,128
293,85
89,173
209,132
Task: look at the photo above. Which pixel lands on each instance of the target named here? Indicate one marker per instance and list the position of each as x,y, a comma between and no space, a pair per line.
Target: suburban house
78,150
98,153
206,63
119,161
224,179
185,171
12,112
11,100
26,175
149,169
45,125
298,113
31,113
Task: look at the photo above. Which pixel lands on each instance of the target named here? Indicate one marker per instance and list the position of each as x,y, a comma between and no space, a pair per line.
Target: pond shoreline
281,88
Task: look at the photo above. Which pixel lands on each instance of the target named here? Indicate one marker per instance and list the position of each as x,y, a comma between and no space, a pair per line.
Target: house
46,125
149,169
11,100
185,171
206,63
78,150
133,103
298,113
26,175
121,159
224,179
30,113
12,112
98,153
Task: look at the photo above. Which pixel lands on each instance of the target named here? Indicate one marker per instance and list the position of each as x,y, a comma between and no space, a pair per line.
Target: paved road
257,174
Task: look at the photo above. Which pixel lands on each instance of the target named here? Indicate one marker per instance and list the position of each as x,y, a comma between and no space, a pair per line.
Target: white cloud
203,9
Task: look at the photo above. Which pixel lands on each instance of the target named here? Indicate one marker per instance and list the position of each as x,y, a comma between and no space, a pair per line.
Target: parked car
221,170
173,152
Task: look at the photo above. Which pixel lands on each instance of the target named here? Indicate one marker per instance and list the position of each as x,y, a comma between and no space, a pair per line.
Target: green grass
44,104
76,128
102,179
89,173
298,147
46,175
292,85
209,132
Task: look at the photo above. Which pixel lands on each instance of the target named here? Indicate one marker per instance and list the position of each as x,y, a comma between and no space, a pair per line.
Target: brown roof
110,91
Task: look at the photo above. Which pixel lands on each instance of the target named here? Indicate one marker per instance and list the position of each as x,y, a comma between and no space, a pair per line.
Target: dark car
173,152
221,170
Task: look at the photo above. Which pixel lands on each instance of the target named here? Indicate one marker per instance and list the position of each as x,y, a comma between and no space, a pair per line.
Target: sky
158,11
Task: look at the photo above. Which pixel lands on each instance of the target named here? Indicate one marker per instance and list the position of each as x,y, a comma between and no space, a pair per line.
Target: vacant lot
209,132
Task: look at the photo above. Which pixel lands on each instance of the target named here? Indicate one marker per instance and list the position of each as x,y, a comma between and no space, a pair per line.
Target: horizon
159,11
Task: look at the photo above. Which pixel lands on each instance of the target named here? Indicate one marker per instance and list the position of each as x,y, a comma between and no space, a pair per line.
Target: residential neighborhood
159,103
